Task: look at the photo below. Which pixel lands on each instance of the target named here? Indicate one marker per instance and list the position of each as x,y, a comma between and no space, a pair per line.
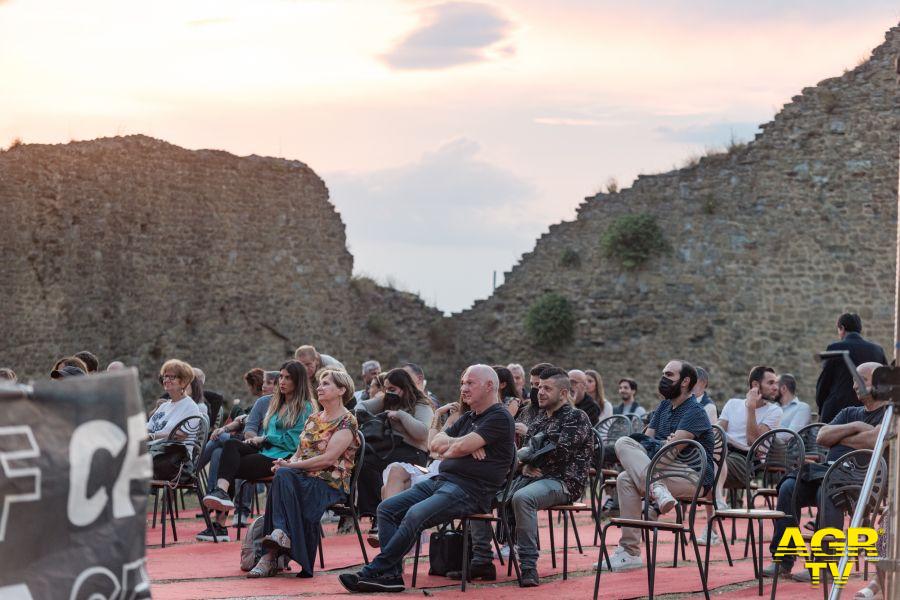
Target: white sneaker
713,540
665,500
721,504
504,550
240,518
621,561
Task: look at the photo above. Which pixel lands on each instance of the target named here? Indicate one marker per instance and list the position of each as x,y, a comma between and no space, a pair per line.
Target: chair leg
496,545
774,584
575,531
172,500
155,503
465,556
724,540
321,553
204,510
162,516
362,545
703,575
651,566
416,560
601,554
513,558
565,515
238,507
552,541
756,568
761,555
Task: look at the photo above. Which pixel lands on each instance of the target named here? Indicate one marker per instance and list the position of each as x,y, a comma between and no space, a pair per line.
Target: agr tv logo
837,544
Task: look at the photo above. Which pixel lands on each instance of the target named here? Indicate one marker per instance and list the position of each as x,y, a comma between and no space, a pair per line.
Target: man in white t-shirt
745,419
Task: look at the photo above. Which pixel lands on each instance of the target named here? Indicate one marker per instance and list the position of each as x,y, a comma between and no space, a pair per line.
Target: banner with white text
74,476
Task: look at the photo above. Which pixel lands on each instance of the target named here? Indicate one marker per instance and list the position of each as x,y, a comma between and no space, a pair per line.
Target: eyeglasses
169,378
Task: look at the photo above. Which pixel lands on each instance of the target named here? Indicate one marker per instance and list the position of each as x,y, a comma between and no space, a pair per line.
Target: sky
450,134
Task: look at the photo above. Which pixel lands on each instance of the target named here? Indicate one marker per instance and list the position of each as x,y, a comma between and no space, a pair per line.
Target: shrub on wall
550,322
633,240
570,258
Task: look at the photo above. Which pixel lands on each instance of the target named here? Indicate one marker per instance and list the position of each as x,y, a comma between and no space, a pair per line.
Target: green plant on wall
570,258
550,322
633,240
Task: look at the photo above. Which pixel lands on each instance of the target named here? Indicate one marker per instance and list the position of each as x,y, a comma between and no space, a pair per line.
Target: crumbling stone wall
141,251
771,242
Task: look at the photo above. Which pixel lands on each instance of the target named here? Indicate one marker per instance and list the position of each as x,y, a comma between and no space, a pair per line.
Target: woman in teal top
252,459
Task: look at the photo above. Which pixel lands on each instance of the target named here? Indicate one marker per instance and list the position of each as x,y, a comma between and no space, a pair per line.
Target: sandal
872,591
266,567
277,540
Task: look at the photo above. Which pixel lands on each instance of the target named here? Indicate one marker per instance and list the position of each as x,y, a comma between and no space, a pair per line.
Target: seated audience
507,391
745,419
854,428
518,374
315,477
370,371
529,412
582,400
418,375
252,458
176,377
678,417
702,396
90,361
409,412
595,390
476,452
629,406
559,478
69,361
795,414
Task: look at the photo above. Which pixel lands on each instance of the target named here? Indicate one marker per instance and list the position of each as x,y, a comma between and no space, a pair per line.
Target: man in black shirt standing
581,399
476,452
834,389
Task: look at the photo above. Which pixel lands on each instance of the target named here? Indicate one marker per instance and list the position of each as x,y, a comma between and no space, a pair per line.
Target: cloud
709,133
567,121
440,224
452,34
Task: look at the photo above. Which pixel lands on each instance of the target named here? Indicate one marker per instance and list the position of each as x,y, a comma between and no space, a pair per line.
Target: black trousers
242,461
370,475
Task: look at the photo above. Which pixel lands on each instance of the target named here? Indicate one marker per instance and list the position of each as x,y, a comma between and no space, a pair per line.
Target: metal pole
866,490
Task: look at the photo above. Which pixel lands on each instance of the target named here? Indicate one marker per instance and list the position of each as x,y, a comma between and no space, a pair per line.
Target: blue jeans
808,494
402,518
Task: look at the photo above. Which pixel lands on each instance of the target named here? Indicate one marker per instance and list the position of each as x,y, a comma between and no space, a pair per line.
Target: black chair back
193,432
357,467
720,451
844,480
614,427
813,450
773,455
681,459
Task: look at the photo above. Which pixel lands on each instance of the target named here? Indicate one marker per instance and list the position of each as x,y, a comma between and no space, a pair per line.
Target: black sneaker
218,500
530,578
350,581
485,572
382,583
218,532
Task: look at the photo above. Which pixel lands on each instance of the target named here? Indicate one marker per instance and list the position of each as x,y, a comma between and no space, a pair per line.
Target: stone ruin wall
140,250
771,242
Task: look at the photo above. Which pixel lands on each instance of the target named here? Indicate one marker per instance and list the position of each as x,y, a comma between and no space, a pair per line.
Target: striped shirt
688,416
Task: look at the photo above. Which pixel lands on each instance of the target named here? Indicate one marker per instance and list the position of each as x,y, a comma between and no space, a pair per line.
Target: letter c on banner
87,439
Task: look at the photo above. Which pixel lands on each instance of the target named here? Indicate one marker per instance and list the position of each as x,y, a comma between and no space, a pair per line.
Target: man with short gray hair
476,452
370,370
795,415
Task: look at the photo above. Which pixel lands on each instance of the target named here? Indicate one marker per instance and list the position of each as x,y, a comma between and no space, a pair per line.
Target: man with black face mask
678,417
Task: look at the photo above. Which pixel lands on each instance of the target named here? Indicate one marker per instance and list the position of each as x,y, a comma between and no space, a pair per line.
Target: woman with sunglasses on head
253,458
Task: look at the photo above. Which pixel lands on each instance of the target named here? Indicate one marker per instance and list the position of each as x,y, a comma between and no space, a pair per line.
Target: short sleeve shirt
316,434
851,414
482,479
735,412
688,416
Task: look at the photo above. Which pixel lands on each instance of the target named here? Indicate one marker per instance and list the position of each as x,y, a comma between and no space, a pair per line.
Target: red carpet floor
188,569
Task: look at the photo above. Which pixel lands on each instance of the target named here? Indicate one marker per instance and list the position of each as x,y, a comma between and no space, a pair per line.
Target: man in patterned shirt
678,417
560,479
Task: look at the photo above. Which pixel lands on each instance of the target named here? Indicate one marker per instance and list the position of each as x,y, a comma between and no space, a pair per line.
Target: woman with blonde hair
595,391
315,477
252,459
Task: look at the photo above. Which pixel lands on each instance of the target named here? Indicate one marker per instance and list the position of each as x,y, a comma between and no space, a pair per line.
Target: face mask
669,389
533,394
390,398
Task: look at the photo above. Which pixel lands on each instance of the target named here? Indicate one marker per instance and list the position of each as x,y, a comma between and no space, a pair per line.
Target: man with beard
529,413
629,406
745,419
678,417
